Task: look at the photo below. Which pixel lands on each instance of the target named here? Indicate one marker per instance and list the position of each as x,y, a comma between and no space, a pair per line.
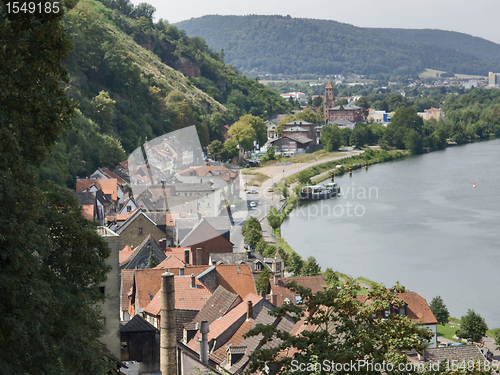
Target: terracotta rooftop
219,326
110,174
108,186
148,283
219,303
172,261
127,277
186,298
124,254
88,211
417,308
315,283
237,279
328,86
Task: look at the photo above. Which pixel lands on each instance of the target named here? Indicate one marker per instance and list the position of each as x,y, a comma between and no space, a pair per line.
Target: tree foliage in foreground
51,259
339,328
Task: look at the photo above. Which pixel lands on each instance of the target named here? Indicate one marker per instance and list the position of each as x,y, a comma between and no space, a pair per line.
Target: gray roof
295,129
193,187
347,107
138,324
159,217
185,223
86,198
452,353
219,223
217,305
298,138
344,123
299,122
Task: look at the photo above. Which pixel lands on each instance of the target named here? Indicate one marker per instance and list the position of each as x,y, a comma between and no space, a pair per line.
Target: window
140,232
208,204
278,267
129,208
206,195
258,266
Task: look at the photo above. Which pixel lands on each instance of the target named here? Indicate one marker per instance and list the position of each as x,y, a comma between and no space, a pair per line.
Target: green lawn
447,331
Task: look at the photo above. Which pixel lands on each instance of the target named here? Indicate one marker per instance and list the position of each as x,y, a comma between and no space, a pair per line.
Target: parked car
253,191
253,204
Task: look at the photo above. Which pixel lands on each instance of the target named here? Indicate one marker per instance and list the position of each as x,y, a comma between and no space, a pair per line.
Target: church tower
328,100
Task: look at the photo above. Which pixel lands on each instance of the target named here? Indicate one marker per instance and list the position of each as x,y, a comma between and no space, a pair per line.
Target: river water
419,221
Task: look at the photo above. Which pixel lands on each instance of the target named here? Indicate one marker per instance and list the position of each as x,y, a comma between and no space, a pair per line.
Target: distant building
494,80
298,96
331,112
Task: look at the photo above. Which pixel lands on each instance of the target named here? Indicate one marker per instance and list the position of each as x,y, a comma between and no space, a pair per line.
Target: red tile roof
328,86
220,325
124,254
127,283
315,283
88,211
108,186
186,298
237,279
417,308
148,283
172,261
171,217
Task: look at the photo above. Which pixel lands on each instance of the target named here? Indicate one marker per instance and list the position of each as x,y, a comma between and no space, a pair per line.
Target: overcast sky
477,18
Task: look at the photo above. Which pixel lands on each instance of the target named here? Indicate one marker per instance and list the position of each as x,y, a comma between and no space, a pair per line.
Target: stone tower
328,100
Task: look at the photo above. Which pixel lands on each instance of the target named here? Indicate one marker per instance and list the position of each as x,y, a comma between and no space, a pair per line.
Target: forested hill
472,45
133,79
278,44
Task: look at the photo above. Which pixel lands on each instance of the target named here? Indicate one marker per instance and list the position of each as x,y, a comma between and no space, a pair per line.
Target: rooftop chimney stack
249,310
181,271
276,282
204,342
193,281
168,346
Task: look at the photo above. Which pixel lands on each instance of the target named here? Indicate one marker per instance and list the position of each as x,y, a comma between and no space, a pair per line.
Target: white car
253,191
253,204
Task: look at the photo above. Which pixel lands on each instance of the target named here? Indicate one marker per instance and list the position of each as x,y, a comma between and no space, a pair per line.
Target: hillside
277,44
133,79
468,44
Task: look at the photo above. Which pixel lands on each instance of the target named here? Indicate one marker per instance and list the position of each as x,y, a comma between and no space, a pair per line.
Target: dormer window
258,266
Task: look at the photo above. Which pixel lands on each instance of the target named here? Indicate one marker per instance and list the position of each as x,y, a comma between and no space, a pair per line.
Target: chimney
181,271
276,280
186,256
249,310
274,299
193,281
204,342
168,346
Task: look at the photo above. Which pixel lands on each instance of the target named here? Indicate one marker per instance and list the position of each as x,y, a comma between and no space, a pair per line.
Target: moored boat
316,192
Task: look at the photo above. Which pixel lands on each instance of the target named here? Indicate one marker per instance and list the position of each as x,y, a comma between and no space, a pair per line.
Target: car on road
270,190
253,204
253,191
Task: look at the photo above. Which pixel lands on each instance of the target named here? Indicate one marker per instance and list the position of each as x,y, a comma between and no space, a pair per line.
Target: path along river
419,221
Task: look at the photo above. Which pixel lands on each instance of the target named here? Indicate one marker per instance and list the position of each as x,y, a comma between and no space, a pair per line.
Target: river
419,221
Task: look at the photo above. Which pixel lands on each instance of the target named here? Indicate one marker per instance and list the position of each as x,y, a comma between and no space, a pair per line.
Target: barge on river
316,192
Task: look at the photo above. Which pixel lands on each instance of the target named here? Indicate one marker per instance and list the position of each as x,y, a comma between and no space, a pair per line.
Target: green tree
497,339
270,251
281,124
364,103
244,133
216,126
307,115
330,137
331,277
52,258
439,310
339,328
251,223
274,219
472,326
310,267
270,154
102,111
252,237
216,150
261,246
263,281
152,261
295,263
259,127
283,190
231,148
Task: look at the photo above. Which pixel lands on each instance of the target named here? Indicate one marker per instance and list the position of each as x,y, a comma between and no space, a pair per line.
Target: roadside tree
472,326
330,137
